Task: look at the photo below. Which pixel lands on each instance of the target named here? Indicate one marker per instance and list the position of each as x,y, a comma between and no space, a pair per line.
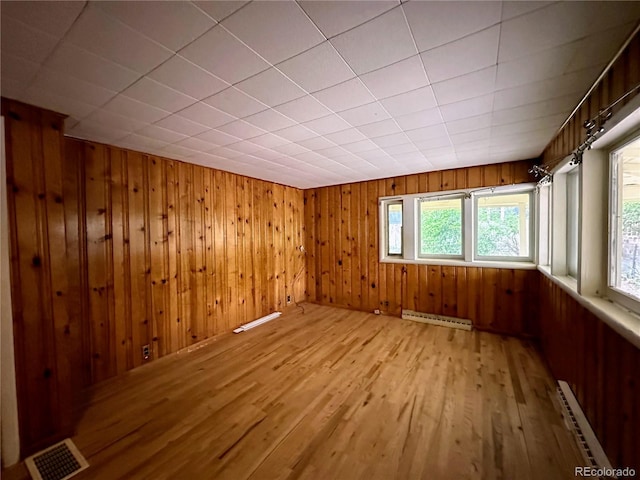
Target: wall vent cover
441,320
58,462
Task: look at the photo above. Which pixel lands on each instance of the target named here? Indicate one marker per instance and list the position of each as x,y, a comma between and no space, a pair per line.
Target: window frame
419,254
411,225
531,226
573,176
614,219
386,222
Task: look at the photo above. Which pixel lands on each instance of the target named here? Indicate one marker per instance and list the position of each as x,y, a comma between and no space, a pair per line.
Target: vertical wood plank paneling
599,365
346,221
43,330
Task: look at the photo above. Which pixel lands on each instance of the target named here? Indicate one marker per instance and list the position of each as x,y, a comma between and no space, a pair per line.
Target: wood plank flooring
332,394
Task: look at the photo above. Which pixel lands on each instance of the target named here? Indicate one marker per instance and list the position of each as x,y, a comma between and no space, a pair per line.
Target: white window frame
613,220
573,215
386,224
531,228
460,197
411,227
544,225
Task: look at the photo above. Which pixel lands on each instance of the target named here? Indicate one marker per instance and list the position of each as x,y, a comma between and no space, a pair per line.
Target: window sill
623,321
462,263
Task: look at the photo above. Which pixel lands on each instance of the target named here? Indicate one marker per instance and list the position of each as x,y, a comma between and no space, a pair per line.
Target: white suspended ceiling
313,93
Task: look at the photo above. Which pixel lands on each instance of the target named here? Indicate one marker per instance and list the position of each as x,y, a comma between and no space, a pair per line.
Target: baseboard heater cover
577,423
441,320
255,323
57,462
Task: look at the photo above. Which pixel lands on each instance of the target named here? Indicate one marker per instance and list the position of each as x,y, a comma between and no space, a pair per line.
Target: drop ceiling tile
427,133
403,76
236,102
310,157
432,25
96,132
54,18
269,154
172,24
241,129
260,26
534,110
516,8
271,88
593,52
269,140
25,42
18,69
295,133
290,149
318,68
103,35
469,54
360,146
346,95
370,113
333,18
469,124
423,118
182,125
206,115
553,121
245,147
195,144
213,50
57,103
401,149
303,109
226,152
378,129
216,137
56,83
69,59
316,143
410,102
326,125
269,120
390,140
467,108
331,152
153,93
12,88
179,152
187,78
366,49
473,136
466,86
160,133
219,10
378,156
481,147
114,121
411,159
434,143
343,137
555,25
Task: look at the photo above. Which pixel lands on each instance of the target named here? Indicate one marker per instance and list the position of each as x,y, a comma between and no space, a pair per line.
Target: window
394,228
441,228
624,232
503,226
573,215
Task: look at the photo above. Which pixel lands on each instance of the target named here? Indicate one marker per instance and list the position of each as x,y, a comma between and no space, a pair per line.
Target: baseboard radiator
579,426
255,323
441,320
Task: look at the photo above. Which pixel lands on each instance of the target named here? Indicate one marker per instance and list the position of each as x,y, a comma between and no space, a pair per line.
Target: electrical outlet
377,311
288,299
146,352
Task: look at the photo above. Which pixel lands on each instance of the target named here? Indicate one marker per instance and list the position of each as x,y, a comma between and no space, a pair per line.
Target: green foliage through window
441,227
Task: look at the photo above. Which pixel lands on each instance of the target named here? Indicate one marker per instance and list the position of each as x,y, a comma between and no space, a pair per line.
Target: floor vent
255,323
577,423
58,462
451,322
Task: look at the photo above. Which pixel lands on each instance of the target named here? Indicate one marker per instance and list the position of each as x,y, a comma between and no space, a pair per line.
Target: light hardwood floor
332,394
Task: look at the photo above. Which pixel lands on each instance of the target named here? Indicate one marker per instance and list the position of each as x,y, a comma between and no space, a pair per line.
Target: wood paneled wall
173,253
44,333
600,366
343,268
112,250
623,75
